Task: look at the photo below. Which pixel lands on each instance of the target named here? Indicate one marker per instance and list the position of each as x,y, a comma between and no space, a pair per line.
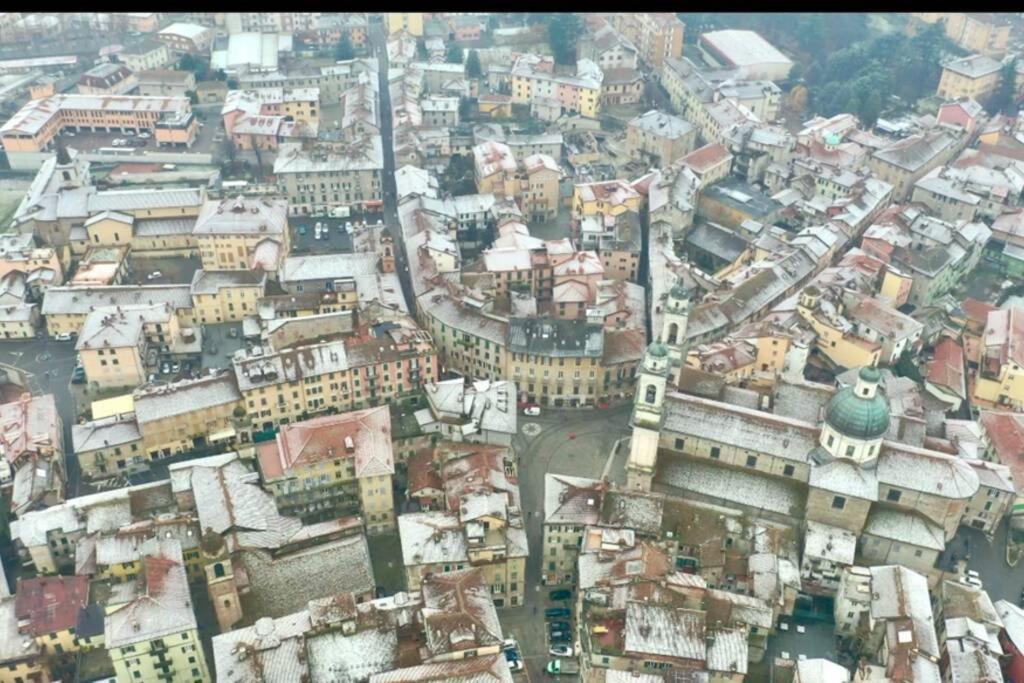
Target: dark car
559,626
78,376
561,637
556,612
560,595
512,655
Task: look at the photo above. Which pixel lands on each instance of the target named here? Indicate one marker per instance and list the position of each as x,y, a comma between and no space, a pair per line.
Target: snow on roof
71,300
162,603
831,543
846,478
335,656
662,124
185,30
665,631
458,612
919,469
571,500
821,670
14,645
284,583
736,486
488,406
183,396
905,527
727,651
482,669
271,649
744,48
431,537
364,435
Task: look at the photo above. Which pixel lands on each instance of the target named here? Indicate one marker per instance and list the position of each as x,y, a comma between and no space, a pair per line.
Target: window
849,451
893,495
680,443
831,439
838,503
652,393
788,470
715,452
751,461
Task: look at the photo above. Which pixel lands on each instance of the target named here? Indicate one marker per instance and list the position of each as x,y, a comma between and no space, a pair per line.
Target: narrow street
378,41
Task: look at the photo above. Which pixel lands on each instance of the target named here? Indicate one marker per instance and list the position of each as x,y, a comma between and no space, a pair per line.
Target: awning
373,203
223,434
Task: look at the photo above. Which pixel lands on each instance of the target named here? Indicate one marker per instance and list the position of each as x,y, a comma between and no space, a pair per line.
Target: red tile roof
51,604
1006,432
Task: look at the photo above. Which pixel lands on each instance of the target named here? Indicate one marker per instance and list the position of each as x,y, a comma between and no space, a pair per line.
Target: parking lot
336,239
173,270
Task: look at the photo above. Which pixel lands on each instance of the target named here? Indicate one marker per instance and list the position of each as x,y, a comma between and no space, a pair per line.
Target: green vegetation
473,68
458,176
846,64
1004,98
343,50
563,30
453,55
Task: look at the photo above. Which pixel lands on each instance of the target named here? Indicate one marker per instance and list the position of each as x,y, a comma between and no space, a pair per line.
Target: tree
563,29
343,50
454,54
1003,99
467,106
473,68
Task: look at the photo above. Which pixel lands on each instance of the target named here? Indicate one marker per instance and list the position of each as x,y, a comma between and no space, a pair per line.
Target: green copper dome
678,291
859,417
658,350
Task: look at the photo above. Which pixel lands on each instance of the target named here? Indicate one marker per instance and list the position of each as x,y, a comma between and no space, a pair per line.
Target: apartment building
243,233
37,124
108,446
1000,379
410,22
66,308
361,371
165,82
150,628
974,76
532,182
48,607
985,32
32,445
22,658
659,138
188,414
187,38
481,525
608,197
108,79
145,54
331,175
220,296
904,162
534,81
656,35
301,104
333,466
557,362
608,48
571,504
114,343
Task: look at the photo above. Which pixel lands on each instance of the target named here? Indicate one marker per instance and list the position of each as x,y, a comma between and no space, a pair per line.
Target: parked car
144,135
509,644
560,637
233,332
558,667
130,133
532,411
512,655
78,376
515,665
562,594
556,612
69,133
65,336
176,367
154,275
302,229
559,626
560,651
165,368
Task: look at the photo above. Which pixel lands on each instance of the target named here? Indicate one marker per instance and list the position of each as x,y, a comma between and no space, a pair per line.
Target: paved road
378,41
570,442
48,364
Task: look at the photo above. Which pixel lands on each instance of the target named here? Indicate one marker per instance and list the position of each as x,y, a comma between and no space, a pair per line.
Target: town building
974,76
108,79
747,51
1000,378
656,35
145,54
659,138
571,505
187,38
331,175
243,233
535,83
481,412
984,32
165,82
333,466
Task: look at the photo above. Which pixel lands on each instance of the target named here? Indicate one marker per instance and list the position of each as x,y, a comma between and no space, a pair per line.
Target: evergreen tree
473,68
343,50
454,54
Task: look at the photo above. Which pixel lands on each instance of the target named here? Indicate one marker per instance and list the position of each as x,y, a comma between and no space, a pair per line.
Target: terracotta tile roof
51,604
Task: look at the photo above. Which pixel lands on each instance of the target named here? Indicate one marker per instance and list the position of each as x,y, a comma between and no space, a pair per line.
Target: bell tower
674,323
648,404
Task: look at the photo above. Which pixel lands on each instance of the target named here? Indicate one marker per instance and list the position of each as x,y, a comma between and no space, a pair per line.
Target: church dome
658,350
860,414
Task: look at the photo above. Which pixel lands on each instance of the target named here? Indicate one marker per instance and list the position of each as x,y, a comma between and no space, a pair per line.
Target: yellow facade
20,329
377,502
109,232
412,22
954,85
845,351
29,669
229,304
175,649
554,381
973,33
1006,390
232,252
592,207
114,367
178,433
